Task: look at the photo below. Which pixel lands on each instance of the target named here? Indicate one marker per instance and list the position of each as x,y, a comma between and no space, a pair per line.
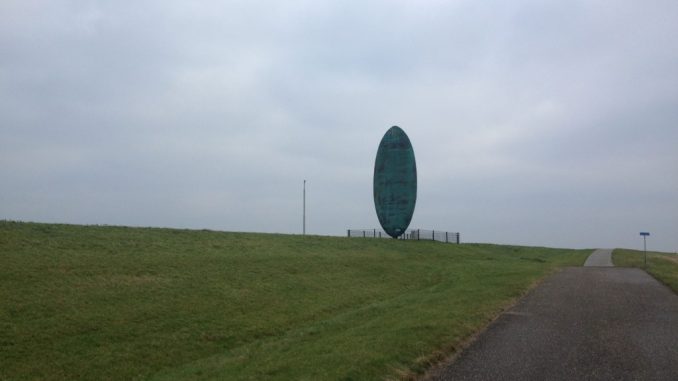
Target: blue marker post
645,234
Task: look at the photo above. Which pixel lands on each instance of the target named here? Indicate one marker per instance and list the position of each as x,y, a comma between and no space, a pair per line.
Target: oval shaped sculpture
395,182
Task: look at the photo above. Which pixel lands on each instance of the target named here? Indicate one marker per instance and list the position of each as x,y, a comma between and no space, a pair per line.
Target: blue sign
644,233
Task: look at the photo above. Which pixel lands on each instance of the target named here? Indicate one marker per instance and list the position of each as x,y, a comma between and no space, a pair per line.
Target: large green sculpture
395,182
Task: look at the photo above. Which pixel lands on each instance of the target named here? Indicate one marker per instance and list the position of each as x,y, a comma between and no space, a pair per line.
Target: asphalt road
582,323
600,258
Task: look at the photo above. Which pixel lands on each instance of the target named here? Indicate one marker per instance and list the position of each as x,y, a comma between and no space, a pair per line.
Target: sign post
645,234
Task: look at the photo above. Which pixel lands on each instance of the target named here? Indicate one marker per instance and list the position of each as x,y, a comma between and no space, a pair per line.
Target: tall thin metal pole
304,212
645,250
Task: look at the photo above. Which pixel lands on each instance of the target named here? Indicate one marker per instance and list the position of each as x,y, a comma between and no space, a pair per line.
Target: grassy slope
663,266
136,303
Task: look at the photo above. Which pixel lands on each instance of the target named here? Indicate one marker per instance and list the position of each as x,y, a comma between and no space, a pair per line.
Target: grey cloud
542,123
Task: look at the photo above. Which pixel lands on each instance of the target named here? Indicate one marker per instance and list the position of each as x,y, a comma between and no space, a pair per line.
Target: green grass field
663,266
98,302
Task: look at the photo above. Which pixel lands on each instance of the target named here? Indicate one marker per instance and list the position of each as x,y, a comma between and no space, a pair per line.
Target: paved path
600,258
582,323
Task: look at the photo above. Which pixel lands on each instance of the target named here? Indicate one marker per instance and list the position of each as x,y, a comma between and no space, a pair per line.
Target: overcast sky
548,123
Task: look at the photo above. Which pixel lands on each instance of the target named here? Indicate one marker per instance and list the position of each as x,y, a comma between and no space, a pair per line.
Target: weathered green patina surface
395,182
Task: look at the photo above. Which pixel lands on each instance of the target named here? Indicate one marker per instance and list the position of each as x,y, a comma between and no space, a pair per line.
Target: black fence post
457,238
348,231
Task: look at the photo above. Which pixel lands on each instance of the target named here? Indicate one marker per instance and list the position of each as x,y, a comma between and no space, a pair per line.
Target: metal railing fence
367,233
413,234
434,235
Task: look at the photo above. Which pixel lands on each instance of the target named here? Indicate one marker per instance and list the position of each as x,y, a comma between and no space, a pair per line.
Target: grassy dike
663,266
99,302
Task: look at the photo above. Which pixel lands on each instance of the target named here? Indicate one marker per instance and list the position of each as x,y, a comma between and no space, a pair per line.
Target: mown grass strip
663,266
93,302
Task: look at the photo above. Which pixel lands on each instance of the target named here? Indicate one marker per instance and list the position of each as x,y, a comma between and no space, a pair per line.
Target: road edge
440,361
